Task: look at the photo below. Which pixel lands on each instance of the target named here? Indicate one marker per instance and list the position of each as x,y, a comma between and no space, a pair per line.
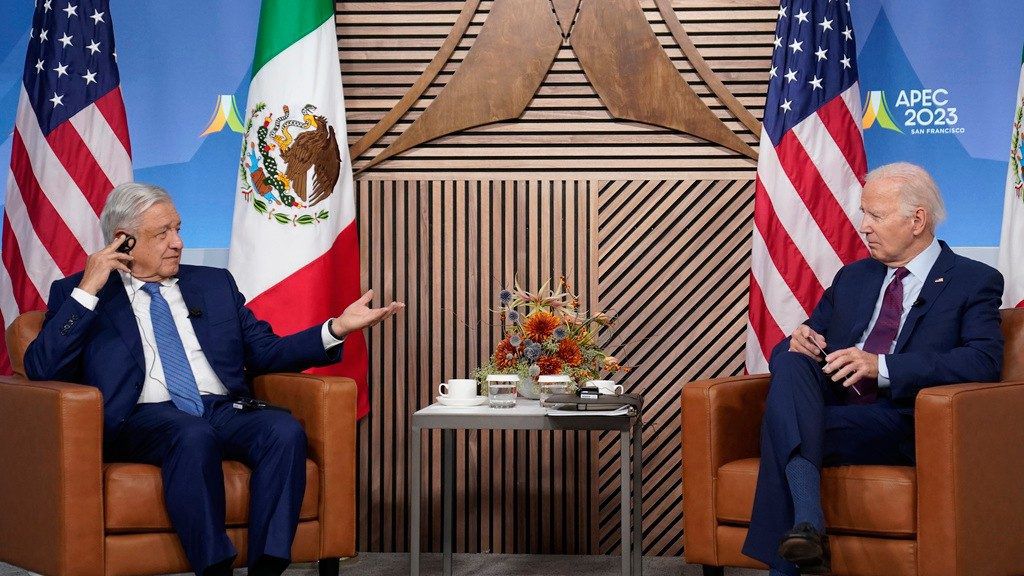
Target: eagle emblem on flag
289,164
1017,150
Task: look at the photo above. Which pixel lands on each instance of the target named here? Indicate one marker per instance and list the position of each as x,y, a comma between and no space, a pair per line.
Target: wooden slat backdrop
642,220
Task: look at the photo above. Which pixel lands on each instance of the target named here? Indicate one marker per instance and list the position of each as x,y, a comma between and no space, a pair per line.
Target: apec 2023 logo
917,112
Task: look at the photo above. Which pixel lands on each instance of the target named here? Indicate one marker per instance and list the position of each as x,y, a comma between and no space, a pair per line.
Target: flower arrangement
547,333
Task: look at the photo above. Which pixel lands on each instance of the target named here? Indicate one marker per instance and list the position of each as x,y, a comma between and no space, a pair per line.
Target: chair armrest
970,463
721,422
51,477
326,408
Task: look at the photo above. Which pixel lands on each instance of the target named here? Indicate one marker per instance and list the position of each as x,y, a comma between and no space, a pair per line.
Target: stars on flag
93,47
65,40
813,60
90,77
61,70
97,16
57,100
71,10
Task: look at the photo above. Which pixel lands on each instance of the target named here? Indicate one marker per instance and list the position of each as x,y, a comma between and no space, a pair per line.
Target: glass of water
501,390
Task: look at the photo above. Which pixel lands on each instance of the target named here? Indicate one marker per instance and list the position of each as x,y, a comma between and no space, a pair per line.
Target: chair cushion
134,502
879,500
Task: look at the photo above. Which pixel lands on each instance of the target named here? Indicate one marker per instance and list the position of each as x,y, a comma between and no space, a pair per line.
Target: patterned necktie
882,334
181,382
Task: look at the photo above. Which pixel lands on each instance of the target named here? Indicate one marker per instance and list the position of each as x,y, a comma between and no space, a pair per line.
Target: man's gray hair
126,204
916,189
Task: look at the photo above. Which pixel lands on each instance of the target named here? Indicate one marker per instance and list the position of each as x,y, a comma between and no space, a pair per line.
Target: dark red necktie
882,335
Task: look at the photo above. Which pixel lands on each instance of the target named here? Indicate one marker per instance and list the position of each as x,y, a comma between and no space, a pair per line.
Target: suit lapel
194,300
938,279
866,299
118,309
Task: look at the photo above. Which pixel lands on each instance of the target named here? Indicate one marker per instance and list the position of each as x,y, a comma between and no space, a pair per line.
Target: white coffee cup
458,388
606,386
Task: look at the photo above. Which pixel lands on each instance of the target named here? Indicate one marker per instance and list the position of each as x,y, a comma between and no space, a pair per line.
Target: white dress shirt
913,282
154,387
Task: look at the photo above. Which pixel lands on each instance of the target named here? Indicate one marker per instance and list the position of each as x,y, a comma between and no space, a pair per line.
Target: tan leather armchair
958,512
64,512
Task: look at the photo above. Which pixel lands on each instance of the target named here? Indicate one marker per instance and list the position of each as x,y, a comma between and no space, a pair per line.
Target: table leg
414,502
448,491
638,497
624,505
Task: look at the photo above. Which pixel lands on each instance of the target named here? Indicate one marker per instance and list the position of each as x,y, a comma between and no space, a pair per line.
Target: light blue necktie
181,382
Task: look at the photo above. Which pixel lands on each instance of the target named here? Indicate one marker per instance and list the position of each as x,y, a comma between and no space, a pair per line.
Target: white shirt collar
922,264
134,284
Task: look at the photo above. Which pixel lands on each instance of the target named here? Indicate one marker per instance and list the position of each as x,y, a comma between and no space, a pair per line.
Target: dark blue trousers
806,415
189,451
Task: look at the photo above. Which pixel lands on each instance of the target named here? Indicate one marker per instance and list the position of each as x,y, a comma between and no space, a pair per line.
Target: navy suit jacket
951,335
103,347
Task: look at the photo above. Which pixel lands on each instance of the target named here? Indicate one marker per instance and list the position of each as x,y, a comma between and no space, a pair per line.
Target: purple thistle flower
532,352
513,316
515,340
504,297
559,333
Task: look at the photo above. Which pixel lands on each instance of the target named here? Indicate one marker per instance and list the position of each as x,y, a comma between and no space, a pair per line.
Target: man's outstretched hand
359,315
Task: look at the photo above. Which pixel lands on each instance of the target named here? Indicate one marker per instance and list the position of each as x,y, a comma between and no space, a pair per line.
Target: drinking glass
501,390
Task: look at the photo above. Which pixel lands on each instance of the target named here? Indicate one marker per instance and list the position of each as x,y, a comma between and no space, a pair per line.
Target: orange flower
505,355
569,352
549,365
540,325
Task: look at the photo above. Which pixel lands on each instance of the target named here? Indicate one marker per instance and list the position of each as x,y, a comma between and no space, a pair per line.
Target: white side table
527,415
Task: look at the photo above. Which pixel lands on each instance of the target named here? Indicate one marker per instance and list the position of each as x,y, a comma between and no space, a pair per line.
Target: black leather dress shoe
807,548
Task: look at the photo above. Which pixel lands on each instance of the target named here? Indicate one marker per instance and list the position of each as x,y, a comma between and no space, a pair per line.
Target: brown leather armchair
958,512
64,512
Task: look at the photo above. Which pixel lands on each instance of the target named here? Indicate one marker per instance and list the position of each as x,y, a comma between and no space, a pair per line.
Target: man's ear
920,219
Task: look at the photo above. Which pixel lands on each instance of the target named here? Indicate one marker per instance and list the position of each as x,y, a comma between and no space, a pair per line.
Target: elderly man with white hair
172,348
843,384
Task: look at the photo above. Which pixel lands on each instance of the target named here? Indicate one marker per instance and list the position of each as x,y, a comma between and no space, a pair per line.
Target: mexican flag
1011,242
294,243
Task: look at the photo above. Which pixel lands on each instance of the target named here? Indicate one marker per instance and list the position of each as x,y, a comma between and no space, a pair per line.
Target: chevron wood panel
566,129
446,248
673,265
652,223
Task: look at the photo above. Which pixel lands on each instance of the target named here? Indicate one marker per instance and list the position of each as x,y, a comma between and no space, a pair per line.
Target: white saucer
462,402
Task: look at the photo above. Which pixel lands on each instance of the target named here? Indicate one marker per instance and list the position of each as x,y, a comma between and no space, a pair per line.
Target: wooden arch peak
565,11
616,47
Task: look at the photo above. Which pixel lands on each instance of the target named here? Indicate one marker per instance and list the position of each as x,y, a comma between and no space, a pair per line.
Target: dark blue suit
103,348
951,335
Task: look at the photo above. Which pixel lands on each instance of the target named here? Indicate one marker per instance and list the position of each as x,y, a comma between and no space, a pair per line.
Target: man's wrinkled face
158,245
889,231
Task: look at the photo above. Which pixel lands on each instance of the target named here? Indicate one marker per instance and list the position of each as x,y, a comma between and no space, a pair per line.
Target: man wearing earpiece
170,347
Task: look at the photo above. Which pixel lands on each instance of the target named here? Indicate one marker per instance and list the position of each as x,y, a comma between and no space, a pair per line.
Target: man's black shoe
807,548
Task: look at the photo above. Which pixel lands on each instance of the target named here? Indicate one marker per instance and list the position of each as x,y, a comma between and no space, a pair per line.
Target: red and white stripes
807,196
56,187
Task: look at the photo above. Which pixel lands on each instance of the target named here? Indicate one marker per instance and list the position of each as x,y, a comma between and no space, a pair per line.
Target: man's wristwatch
330,329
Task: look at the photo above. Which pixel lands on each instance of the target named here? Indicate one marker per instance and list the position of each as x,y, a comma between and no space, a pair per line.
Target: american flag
70,148
809,174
